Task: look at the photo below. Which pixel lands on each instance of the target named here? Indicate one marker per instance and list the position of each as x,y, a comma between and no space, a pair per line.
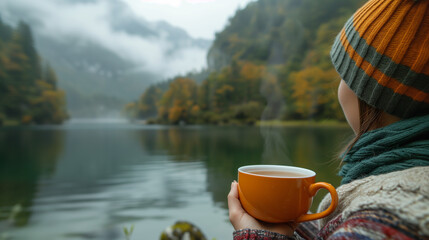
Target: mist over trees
28,88
271,61
105,53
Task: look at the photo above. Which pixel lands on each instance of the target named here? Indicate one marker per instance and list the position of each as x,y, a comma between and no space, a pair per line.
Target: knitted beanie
382,53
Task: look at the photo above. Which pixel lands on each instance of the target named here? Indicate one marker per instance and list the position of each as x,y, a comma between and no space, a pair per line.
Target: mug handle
334,202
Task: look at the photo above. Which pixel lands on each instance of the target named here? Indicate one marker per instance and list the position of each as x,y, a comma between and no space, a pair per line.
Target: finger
234,189
234,204
236,211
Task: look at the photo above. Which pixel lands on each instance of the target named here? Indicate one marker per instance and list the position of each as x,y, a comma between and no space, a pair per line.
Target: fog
93,21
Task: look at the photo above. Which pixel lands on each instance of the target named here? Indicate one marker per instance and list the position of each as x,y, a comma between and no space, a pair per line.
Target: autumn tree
314,92
179,102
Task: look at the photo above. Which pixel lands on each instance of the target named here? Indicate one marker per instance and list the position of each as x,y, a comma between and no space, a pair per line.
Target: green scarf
398,146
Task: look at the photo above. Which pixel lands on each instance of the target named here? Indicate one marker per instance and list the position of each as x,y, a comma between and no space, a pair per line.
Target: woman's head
382,55
361,116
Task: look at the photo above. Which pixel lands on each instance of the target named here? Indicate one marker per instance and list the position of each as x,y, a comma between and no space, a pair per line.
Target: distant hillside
270,62
101,74
278,31
97,81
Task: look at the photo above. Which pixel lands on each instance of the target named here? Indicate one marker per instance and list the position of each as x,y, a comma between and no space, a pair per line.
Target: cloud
91,21
176,3
200,18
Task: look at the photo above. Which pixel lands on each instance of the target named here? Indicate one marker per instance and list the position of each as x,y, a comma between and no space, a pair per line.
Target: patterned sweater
389,206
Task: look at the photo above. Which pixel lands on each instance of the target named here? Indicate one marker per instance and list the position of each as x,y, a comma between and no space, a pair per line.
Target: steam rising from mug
275,146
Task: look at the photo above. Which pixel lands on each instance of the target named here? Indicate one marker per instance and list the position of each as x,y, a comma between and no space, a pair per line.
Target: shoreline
269,123
303,123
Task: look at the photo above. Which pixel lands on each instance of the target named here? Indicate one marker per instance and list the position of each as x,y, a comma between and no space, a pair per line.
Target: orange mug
277,194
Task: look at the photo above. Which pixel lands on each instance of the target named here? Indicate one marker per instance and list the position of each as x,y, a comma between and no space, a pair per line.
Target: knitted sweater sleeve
369,224
365,224
253,234
306,230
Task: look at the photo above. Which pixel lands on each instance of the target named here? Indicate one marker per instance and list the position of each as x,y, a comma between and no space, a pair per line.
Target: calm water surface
88,180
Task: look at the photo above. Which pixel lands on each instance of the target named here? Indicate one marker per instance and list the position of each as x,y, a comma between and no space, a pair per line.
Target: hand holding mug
275,194
240,219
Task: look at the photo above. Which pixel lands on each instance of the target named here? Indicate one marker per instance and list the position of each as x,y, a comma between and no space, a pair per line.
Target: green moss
180,229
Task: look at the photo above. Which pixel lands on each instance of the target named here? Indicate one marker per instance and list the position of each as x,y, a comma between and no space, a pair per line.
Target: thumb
234,204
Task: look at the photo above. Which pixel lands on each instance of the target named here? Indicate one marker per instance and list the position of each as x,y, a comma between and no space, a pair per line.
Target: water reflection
90,180
224,149
26,156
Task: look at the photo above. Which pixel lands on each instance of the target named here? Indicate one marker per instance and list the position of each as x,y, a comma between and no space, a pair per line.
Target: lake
89,179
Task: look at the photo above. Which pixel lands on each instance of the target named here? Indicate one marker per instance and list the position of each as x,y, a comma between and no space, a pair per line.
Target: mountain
278,31
103,53
270,62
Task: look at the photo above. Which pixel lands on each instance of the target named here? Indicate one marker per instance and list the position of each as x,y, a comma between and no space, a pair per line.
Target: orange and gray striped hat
382,53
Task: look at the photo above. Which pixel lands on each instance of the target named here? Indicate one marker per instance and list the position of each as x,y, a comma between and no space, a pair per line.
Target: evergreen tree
50,77
5,32
25,95
27,43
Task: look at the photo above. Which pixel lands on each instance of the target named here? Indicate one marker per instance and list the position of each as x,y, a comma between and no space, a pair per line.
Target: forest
28,86
270,62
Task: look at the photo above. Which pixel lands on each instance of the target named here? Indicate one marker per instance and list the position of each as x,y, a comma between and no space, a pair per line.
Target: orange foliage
252,71
174,114
313,87
178,100
26,119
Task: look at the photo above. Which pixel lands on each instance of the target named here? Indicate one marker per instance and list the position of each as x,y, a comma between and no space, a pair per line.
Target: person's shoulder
413,179
403,193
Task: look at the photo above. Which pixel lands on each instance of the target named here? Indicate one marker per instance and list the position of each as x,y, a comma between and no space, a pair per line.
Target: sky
200,18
